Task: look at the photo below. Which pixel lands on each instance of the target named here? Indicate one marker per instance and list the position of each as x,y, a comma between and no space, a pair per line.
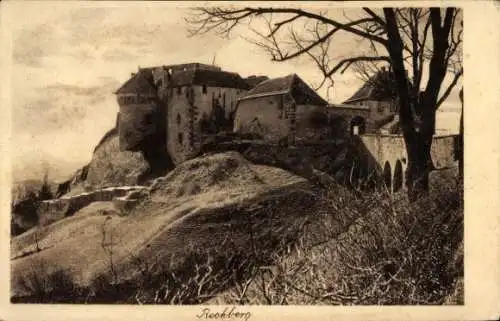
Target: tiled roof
373,88
253,81
142,81
211,78
292,84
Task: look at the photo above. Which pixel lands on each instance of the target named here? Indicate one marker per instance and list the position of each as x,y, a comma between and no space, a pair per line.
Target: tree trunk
419,163
418,139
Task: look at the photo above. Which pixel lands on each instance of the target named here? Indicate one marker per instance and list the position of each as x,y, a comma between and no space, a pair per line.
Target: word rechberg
224,315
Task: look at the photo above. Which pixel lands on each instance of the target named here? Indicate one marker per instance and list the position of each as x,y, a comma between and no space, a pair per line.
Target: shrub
395,253
370,248
44,283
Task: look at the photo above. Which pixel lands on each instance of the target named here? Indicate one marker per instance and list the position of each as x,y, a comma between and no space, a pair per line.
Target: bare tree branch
450,88
226,19
377,18
348,61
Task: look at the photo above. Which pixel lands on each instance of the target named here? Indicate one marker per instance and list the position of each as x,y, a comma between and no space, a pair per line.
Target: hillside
197,205
221,230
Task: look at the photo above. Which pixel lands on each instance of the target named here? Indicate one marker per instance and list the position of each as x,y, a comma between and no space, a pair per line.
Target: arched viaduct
389,153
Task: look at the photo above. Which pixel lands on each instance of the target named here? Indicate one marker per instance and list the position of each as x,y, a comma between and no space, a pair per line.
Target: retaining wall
57,209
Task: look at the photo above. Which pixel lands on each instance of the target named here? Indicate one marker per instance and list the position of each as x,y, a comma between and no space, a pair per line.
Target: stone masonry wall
186,108
53,210
265,117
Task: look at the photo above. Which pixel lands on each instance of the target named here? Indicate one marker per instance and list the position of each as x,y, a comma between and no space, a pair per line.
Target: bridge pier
388,152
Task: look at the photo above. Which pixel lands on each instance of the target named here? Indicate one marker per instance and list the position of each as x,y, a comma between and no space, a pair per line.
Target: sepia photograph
236,154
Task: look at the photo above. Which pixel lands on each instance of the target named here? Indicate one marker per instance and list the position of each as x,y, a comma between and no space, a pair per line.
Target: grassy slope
171,220
346,249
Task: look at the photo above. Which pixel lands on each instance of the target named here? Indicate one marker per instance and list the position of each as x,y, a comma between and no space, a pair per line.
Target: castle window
178,119
179,90
180,138
160,82
204,89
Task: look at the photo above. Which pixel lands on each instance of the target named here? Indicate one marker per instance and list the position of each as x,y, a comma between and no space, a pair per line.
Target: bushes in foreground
355,250
395,254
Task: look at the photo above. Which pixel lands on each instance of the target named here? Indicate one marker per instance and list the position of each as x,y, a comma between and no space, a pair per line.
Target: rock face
111,167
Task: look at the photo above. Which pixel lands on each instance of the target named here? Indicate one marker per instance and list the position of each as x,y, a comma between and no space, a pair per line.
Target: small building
283,110
369,110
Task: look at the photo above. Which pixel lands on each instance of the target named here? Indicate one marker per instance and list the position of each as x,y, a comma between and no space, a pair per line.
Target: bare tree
409,39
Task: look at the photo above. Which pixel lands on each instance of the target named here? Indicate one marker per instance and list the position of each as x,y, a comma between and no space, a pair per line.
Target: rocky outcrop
76,181
111,167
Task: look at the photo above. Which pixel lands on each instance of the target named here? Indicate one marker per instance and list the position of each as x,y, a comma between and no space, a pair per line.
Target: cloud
59,108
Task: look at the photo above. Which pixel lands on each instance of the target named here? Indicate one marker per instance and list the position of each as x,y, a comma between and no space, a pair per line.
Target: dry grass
395,254
371,250
300,246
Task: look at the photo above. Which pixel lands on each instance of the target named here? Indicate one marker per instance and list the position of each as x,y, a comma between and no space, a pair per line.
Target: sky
68,59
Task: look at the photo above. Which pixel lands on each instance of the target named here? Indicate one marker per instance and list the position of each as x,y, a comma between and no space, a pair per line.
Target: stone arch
388,176
398,176
358,125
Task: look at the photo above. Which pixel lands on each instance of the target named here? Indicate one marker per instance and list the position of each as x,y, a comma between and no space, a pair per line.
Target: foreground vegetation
371,248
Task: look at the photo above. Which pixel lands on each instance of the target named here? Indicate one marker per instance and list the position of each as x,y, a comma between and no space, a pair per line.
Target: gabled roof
253,81
373,88
292,84
213,78
142,81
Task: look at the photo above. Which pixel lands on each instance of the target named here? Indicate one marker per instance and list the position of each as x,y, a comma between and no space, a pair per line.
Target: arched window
180,138
204,89
388,176
178,119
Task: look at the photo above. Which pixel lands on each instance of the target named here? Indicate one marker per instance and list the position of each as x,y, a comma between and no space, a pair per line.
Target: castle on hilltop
171,110
172,107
